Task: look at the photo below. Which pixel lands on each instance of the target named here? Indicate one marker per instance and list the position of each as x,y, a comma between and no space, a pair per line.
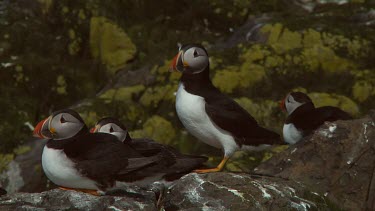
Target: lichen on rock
110,44
157,128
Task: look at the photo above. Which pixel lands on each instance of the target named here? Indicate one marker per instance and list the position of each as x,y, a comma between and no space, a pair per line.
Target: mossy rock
5,159
122,94
110,44
157,128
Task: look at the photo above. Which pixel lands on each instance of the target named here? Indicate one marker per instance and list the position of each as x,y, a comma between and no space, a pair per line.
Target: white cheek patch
291,104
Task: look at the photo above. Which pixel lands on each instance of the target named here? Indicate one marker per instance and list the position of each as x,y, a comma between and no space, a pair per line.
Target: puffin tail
184,165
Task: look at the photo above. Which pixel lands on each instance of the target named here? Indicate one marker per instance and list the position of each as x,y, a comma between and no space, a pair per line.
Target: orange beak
176,62
38,129
282,105
94,129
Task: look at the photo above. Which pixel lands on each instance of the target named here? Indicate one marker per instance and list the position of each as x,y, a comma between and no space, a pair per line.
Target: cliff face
112,59
333,168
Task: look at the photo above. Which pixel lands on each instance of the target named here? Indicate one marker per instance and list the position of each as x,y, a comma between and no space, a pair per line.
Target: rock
71,200
25,172
229,191
337,160
2,192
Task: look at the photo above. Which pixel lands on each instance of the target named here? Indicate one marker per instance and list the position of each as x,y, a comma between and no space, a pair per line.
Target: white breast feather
192,113
60,170
291,134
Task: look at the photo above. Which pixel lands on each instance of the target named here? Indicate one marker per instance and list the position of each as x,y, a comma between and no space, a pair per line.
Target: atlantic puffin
303,117
74,158
182,163
210,115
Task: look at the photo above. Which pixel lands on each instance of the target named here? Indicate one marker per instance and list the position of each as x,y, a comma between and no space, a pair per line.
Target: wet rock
337,160
25,172
229,191
71,200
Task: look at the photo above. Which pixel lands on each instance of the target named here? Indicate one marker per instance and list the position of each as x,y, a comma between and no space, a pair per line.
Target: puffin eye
111,130
62,120
288,100
195,54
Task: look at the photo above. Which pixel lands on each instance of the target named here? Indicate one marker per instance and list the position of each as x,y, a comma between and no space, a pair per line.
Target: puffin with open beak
74,158
303,118
182,164
210,115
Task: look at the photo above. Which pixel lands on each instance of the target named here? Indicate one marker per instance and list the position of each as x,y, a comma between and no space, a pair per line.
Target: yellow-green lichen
5,159
157,128
362,90
90,118
263,111
110,44
121,94
153,95
61,85
21,150
313,49
232,77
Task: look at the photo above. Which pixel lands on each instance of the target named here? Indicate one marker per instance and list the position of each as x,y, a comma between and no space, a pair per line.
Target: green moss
157,128
110,44
5,159
21,150
123,94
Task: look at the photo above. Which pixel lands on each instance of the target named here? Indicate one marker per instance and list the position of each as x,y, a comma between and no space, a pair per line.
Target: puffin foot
217,169
91,192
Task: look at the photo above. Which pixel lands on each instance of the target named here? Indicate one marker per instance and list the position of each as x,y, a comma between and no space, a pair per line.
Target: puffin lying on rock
182,164
210,115
74,158
303,117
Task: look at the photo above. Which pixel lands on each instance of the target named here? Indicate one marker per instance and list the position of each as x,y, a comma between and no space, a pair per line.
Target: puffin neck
60,144
303,108
202,77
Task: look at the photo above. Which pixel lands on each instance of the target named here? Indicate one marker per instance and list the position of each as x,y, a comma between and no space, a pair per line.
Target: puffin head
294,100
112,126
190,59
41,129
62,124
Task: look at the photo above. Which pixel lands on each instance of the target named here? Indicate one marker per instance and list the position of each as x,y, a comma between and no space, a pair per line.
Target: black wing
179,165
103,158
311,120
229,116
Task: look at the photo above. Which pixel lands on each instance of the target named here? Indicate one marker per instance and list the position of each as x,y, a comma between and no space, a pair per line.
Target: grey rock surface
230,191
24,173
337,160
57,199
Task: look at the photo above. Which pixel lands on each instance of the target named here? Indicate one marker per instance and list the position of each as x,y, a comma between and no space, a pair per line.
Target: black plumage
306,118
102,158
178,163
227,113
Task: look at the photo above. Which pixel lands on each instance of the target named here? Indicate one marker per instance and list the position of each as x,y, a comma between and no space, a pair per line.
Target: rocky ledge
332,169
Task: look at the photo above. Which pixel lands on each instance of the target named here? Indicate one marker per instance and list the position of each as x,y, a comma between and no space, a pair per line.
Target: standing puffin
74,158
182,164
210,115
303,117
